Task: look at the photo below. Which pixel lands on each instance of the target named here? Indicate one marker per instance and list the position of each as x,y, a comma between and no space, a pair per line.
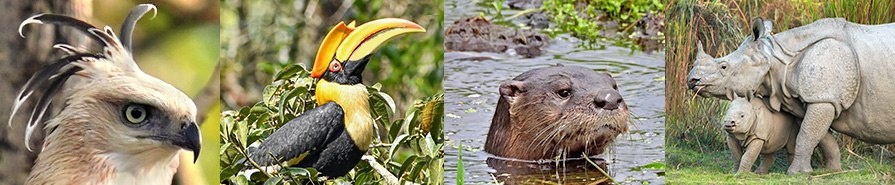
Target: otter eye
564,93
135,113
335,66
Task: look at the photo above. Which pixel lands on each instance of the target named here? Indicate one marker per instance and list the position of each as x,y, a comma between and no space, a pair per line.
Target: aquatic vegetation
611,21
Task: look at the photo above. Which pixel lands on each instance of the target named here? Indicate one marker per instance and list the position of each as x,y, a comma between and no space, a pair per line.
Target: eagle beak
190,139
352,46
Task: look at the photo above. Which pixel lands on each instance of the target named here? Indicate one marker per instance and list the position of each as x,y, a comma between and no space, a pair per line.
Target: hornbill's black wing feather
308,133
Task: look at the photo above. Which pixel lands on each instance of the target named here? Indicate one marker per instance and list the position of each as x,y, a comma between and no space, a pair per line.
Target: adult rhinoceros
832,73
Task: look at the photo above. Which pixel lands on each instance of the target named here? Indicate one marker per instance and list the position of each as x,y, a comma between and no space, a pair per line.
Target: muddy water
471,96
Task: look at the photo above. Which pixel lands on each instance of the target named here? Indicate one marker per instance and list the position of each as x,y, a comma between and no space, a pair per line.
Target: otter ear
511,88
757,28
607,74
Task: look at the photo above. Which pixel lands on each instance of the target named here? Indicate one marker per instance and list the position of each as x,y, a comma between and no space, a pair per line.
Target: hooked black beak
190,139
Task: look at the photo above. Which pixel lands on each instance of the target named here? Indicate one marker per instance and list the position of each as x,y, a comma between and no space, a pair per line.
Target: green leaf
280,107
395,129
242,133
417,168
471,110
227,173
273,181
224,148
409,124
288,71
299,172
430,144
408,163
396,144
389,101
461,173
240,180
438,119
652,166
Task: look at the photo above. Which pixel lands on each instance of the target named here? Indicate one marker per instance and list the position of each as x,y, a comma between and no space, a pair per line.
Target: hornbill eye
135,113
335,66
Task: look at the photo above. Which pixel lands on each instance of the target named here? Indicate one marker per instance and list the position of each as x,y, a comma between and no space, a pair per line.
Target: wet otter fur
556,111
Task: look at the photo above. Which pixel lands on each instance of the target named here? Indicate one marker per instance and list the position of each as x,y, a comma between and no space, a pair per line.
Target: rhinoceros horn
700,53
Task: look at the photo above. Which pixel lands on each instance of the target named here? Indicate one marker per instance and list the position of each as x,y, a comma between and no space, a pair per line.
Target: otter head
739,73
554,111
740,116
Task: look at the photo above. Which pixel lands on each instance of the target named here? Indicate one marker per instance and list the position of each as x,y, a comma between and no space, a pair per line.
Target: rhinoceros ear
750,95
757,28
730,94
768,28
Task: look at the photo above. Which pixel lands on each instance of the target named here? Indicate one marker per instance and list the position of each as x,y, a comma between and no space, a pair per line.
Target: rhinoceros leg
749,156
818,118
767,160
736,151
830,149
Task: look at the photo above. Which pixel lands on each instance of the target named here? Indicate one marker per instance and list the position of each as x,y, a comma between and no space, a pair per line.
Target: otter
556,111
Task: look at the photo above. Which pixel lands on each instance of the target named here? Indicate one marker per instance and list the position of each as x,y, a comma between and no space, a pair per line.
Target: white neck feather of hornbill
341,60
116,59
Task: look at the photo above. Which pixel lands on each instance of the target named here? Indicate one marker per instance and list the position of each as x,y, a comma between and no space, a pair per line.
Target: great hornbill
332,137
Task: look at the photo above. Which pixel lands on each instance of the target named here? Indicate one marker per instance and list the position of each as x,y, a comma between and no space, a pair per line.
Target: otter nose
608,99
692,82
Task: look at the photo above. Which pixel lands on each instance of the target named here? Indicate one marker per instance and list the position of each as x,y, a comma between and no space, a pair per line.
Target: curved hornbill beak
346,50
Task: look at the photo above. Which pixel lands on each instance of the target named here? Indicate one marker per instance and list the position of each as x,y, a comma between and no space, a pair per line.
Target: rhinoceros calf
832,73
753,130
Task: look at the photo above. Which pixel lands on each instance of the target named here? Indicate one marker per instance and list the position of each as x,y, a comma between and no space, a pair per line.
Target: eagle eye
135,113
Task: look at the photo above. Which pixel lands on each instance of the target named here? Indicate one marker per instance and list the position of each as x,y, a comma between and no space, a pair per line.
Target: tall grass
721,25
692,121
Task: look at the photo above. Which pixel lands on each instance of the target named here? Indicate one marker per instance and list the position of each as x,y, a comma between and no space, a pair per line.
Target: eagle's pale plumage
119,126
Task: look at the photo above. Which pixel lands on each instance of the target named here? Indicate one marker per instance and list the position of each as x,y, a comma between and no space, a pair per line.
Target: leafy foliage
629,10
586,19
410,147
